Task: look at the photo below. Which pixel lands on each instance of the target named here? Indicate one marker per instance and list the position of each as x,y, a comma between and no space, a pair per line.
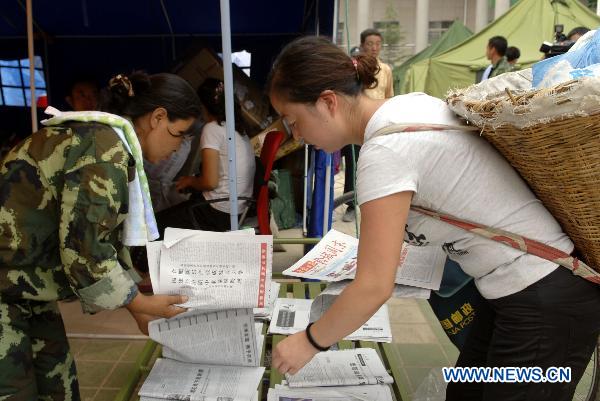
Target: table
301,290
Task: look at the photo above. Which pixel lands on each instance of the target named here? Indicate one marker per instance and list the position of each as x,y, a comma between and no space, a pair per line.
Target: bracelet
312,341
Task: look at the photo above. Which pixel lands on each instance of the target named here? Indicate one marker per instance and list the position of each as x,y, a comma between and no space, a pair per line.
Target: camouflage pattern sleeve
94,203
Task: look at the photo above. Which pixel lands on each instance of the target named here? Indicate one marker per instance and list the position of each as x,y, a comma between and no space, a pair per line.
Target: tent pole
34,124
328,157
229,113
305,200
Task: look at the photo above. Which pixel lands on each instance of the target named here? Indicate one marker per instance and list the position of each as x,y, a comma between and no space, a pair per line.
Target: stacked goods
255,105
552,138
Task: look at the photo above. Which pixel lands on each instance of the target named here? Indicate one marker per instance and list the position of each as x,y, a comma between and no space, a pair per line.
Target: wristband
312,341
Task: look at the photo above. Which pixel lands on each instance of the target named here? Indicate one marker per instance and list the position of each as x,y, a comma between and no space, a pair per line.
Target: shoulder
75,140
385,67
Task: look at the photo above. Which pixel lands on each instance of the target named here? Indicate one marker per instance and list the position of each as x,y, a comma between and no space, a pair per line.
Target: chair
272,142
267,157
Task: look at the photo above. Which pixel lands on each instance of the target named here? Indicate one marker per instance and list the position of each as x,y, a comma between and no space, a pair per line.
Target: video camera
561,43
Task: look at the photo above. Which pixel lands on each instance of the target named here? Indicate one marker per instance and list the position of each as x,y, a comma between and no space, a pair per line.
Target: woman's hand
185,182
291,354
157,305
145,308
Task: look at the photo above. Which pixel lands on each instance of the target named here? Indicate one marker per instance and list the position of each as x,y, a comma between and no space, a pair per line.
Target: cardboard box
254,104
288,146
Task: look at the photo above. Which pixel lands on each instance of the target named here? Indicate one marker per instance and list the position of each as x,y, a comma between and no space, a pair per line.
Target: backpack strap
417,127
515,241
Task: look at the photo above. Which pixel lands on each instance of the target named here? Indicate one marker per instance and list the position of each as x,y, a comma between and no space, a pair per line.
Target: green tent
526,25
453,36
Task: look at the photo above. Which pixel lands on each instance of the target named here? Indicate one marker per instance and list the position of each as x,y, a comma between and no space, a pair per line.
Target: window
437,29
14,82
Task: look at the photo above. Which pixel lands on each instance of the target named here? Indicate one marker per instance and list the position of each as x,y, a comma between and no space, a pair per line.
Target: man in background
82,94
496,53
576,33
370,44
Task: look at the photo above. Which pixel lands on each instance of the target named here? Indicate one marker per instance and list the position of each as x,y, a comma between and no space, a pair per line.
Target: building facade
409,26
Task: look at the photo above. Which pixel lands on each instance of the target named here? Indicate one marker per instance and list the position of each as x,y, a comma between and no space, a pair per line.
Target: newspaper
266,312
293,315
334,259
176,380
226,337
354,367
377,392
216,270
400,290
376,329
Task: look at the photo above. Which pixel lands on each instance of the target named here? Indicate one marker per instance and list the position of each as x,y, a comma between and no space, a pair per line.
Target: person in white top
536,313
213,181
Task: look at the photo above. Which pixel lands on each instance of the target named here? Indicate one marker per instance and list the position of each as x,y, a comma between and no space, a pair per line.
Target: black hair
139,93
580,30
212,97
512,53
369,32
310,65
499,43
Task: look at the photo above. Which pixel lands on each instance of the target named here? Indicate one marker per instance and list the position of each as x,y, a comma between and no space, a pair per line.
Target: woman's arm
382,234
209,179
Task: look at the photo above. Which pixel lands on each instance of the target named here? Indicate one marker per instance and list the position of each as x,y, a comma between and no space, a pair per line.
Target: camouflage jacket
63,199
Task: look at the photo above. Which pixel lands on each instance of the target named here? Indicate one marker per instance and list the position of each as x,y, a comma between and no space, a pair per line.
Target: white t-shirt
214,136
459,174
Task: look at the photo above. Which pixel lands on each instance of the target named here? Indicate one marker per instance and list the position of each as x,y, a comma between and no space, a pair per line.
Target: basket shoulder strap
417,127
519,242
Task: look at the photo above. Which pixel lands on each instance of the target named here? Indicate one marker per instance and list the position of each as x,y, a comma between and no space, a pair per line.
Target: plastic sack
581,61
433,388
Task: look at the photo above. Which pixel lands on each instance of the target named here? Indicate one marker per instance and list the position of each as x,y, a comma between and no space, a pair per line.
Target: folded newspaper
293,315
214,355
334,259
376,392
174,380
215,270
266,312
353,367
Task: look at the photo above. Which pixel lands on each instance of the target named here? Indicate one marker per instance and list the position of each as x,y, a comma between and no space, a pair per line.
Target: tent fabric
526,25
85,38
453,36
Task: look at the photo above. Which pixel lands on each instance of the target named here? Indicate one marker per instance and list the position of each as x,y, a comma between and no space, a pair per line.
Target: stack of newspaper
334,259
213,351
356,374
206,356
293,315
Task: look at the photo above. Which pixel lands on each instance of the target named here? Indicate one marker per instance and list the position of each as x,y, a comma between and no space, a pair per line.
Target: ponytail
310,65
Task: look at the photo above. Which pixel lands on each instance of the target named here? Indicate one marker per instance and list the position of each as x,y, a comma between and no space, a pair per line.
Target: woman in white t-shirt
213,181
535,314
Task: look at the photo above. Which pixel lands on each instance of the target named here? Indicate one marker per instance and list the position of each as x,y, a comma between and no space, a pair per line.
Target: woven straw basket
557,152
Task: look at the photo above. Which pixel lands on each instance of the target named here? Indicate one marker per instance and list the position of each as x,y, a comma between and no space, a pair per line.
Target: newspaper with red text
334,259
215,270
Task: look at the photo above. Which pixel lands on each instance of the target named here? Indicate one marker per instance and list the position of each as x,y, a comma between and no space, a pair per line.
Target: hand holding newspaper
215,270
334,259
354,367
